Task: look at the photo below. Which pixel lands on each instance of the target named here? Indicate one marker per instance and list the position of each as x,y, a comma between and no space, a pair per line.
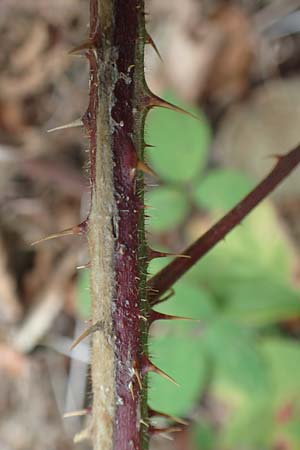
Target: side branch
161,282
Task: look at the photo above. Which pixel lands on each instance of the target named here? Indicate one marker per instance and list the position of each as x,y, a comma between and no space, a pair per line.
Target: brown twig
162,281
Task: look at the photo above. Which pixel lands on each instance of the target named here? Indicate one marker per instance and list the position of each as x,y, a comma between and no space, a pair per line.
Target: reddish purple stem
162,281
123,37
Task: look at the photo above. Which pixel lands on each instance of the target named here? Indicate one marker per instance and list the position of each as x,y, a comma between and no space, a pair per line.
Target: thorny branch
165,279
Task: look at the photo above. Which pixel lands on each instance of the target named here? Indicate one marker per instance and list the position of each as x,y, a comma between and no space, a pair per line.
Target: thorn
83,435
87,45
143,167
149,207
163,299
131,390
144,423
167,296
275,156
97,326
67,232
154,430
153,413
143,318
148,366
155,315
157,254
77,230
150,41
152,185
149,145
137,375
81,412
76,123
84,266
153,101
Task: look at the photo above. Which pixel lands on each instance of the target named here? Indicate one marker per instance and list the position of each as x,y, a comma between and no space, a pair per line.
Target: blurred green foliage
239,374
221,189
169,208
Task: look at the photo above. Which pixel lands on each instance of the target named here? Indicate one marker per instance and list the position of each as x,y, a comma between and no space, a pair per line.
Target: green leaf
204,436
170,208
248,428
240,384
157,264
262,301
289,432
240,372
221,189
181,142
183,359
257,248
176,348
283,358
189,301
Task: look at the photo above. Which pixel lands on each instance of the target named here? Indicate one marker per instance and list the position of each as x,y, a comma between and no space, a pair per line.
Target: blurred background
235,64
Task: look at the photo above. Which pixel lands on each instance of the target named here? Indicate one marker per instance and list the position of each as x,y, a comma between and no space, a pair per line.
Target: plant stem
121,315
115,121
161,282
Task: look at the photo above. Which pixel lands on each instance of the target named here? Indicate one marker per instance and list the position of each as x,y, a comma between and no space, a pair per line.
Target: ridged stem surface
114,121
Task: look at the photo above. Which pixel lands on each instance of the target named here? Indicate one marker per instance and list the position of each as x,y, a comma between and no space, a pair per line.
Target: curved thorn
67,232
153,101
83,435
149,145
154,430
144,423
76,123
155,315
152,254
143,167
81,412
131,390
143,318
153,413
276,156
137,376
76,230
84,266
169,295
148,366
97,326
86,45
150,41
157,300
